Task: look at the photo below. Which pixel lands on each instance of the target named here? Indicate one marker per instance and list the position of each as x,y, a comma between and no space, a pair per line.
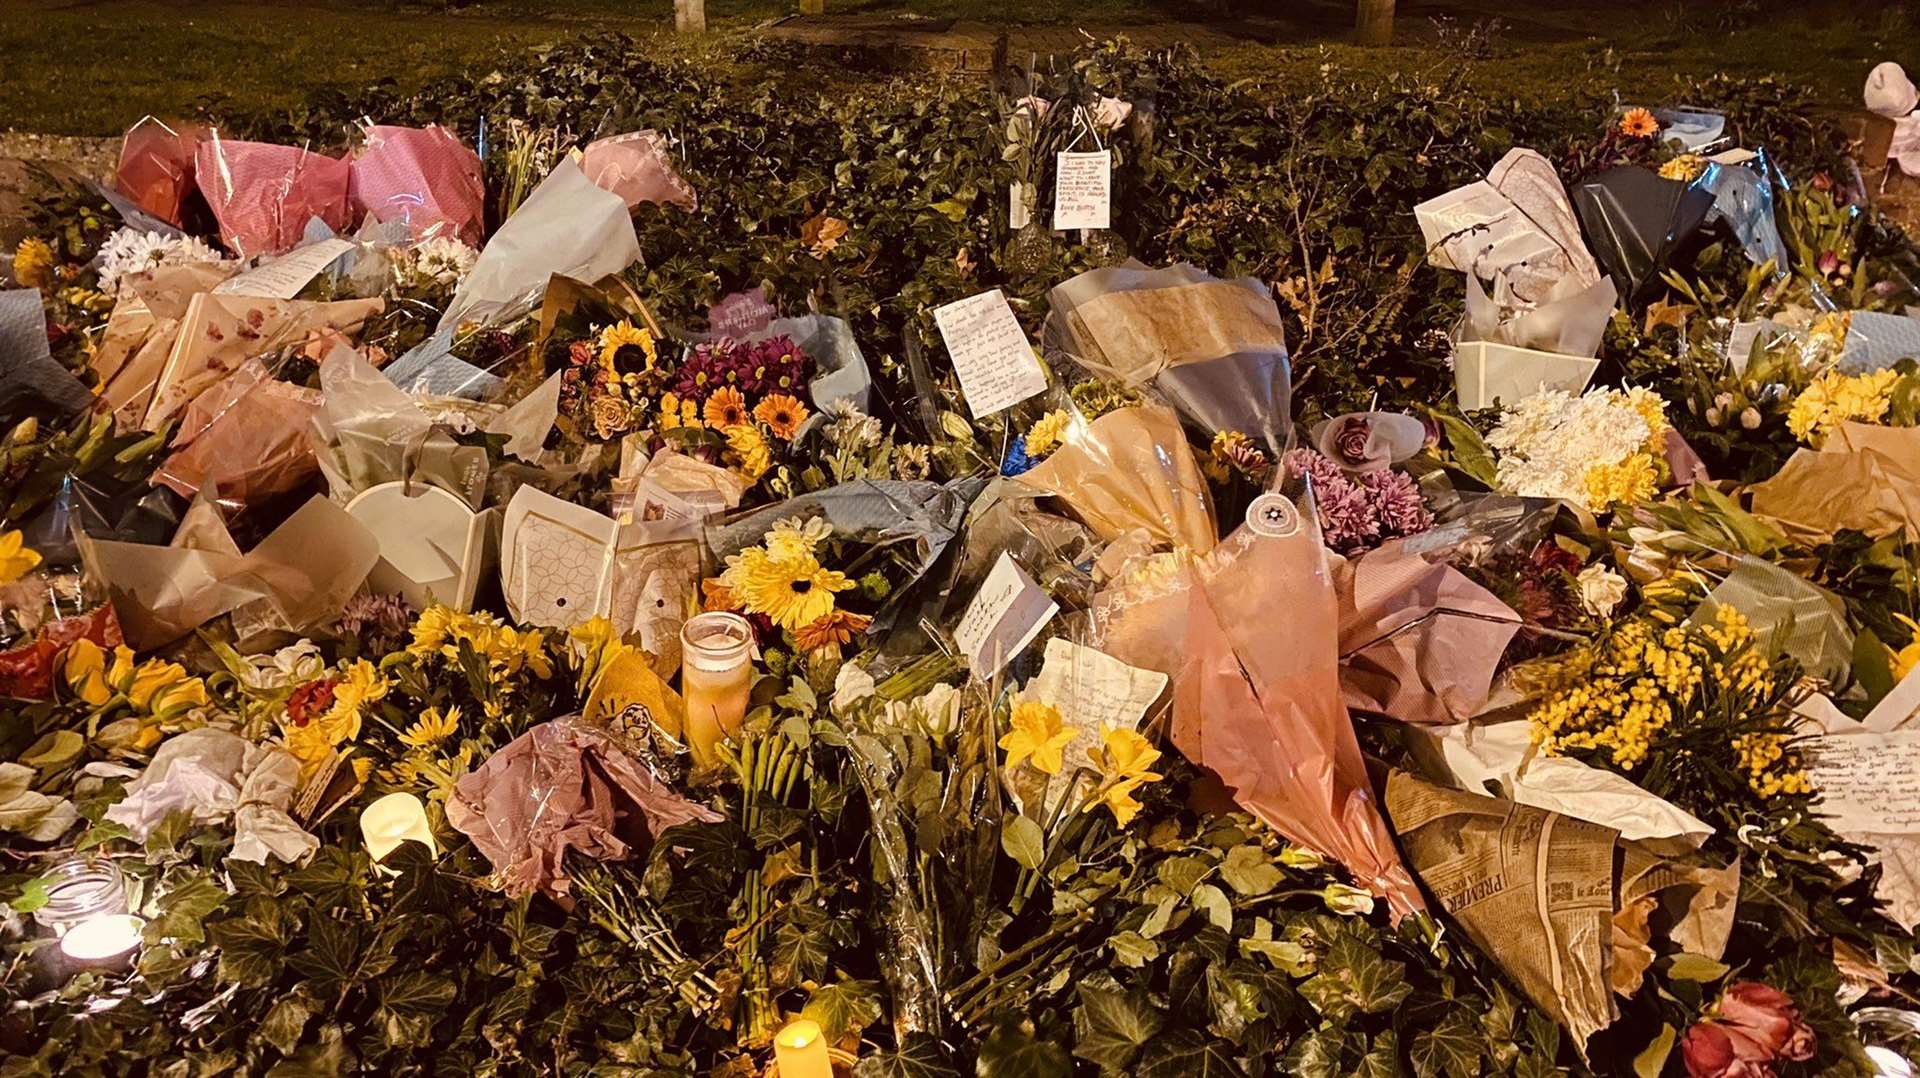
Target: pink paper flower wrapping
263,195
636,167
156,166
563,784
424,176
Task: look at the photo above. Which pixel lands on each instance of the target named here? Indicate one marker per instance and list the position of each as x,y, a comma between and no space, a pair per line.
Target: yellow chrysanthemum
797,538
748,448
791,591
1037,736
432,728
1632,480
17,559
1686,168
1651,408
676,414
360,686
595,645
33,262
1044,436
625,334
1835,398
430,630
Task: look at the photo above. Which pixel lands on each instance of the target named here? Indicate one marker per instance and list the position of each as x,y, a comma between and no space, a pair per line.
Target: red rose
1769,1017
1714,1051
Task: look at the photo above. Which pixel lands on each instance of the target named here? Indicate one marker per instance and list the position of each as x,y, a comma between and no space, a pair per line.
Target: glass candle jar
80,889
716,675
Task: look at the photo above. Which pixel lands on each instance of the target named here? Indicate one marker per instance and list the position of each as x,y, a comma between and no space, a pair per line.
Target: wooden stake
1373,22
690,16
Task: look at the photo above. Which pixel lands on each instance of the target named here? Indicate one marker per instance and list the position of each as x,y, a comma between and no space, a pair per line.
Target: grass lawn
91,67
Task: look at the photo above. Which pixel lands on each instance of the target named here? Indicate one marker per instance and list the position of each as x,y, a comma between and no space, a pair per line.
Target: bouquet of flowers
1604,448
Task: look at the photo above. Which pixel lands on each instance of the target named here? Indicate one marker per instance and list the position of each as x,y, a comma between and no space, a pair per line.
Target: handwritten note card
1082,190
284,277
1004,617
990,352
1094,692
1871,782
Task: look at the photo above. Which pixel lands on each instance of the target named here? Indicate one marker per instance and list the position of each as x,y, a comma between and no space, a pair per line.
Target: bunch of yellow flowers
1834,398
1647,685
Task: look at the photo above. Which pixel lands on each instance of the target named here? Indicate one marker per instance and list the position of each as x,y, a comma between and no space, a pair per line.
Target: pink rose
1769,1017
1713,1051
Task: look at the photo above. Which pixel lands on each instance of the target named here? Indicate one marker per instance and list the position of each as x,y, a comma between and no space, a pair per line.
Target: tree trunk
690,16
813,7
1373,22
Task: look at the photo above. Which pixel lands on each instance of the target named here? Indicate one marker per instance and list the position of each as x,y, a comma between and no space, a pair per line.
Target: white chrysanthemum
131,250
441,260
1547,442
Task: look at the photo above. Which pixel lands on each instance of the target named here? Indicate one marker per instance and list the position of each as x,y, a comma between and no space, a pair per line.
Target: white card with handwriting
1006,614
996,365
1083,190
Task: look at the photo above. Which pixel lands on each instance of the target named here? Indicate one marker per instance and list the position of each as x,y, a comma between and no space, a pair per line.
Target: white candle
97,939
392,820
801,1051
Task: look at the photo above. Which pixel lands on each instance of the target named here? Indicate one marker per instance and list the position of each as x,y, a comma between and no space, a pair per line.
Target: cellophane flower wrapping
637,167
263,195
1130,469
424,176
156,167
245,437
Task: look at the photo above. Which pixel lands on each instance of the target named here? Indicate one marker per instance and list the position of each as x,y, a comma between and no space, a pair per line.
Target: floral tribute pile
442,632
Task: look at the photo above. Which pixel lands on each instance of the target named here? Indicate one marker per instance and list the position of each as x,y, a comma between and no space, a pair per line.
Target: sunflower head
625,346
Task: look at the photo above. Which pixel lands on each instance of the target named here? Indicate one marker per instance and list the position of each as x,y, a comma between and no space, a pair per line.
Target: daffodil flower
16,558
1036,737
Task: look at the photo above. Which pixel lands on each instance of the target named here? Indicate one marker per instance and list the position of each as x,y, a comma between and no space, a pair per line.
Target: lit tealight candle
99,939
801,1051
392,820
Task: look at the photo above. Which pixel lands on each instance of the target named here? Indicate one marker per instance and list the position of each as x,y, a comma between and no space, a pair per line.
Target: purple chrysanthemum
1397,502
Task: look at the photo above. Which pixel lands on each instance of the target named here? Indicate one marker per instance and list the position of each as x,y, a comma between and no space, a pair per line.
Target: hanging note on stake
1004,617
1083,190
996,365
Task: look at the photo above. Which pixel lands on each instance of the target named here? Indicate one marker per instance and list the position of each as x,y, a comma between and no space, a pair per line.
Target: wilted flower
1346,901
1601,589
1768,1017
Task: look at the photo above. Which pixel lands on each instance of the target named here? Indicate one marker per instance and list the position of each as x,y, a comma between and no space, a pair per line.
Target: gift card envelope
562,564
433,547
1485,373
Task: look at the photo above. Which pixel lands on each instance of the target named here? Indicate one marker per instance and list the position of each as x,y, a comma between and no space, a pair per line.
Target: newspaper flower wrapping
423,176
562,785
636,167
263,195
156,166
1128,469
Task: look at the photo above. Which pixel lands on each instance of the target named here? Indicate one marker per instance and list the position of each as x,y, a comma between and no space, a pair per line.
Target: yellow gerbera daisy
1639,123
636,342
17,559
792,591
1037,735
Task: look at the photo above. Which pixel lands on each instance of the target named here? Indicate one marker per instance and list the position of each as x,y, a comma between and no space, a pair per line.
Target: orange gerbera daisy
1639,123
782,413
726,408
837,628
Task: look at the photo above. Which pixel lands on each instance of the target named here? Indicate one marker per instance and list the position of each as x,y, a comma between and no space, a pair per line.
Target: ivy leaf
799,954
416,992
1012,1052
100,834
1182,873
33,895
1187,1053
332,955
1452,1047
164,839
1133,950
1355,977
1113,1026
1250,871
286,1022
184,909
844,1007
54,751
331,878
1024,842
249,950
920,1057
1382,1059
1653,1058
1213,902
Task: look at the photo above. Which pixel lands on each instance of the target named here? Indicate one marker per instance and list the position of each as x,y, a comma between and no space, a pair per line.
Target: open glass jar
81,889
716,677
